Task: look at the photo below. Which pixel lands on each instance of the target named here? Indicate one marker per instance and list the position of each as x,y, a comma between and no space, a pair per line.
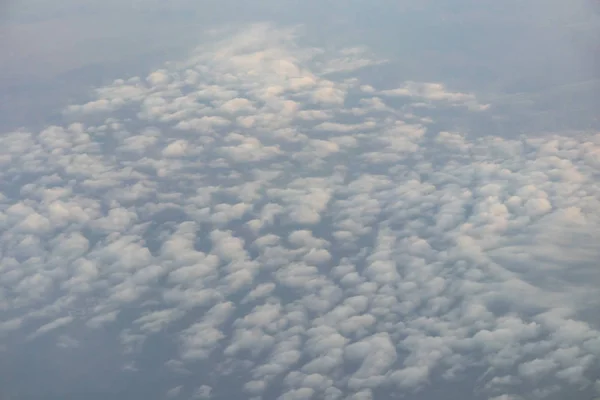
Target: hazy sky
293,200
58,51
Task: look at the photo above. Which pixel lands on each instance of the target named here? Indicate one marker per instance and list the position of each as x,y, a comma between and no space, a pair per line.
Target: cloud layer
303,233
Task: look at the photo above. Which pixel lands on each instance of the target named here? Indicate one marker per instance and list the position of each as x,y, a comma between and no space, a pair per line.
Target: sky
288,200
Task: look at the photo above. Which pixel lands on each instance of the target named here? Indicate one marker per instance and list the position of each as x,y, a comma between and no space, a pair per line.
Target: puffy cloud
260,218
378,356
175,149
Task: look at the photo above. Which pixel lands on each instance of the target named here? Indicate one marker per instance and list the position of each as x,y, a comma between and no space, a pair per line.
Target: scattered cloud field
293,232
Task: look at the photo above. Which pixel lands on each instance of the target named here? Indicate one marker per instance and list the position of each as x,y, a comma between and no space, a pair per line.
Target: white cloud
349,59
175,149
44,329
203,392
158,78
174,392
435,91
328,95
329,250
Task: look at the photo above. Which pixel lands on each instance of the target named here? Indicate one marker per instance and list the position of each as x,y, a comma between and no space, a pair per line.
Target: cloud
244,219
435,92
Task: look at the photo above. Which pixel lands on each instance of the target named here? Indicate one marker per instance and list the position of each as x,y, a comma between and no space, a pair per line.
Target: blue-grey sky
294,200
